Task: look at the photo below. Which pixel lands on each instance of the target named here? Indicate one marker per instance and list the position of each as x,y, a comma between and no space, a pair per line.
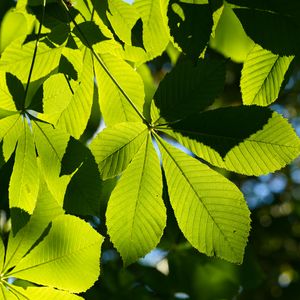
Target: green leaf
262,76
10,130
122,17
228,138
67,258
156,34
45,211
188,89
136,215
16,90
51,145
17,60
210,210
116,146
38,293
116,79
280,30
56,97
185,19
75,116
6,99
83,194
24,181
89,33
2,254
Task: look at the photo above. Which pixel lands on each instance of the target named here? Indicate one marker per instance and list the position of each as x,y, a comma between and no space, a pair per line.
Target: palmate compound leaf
210,210
136,215
67,109
118,85
188,89
24,181
67,258
228,138
116,146
17,59
262,76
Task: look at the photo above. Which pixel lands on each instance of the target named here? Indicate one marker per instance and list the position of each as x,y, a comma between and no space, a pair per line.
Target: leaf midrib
192,187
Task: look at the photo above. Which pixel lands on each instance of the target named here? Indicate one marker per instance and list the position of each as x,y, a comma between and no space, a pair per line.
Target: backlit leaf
116,79
262,76
136,215
116,146
67,258
24,182
228,138
210,210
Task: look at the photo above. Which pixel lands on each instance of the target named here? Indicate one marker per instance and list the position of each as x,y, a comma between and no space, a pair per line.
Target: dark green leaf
191,26
189,89
89,33
223,128
275,32
16,89
137,34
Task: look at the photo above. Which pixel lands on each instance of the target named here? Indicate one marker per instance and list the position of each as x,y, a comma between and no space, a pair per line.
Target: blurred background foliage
271,267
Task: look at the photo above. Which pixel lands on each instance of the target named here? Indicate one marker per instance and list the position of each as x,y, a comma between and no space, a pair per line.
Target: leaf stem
34,55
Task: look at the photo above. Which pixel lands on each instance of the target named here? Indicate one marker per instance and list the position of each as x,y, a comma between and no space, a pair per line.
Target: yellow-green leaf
136,215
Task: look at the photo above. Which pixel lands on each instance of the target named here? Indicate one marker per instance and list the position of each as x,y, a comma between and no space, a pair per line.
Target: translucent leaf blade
136,215
24,181
115,147
37,293
156,33
51,145
6,100
122,79
17,59
45,211
67,258
10,130
2,254
210,210
75,116
262,76
241,146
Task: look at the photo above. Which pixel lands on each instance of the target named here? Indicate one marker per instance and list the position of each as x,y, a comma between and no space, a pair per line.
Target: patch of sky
153,257
281,110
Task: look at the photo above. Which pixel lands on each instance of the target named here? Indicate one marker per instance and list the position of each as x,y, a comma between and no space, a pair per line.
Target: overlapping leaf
155,25
116,146
281,27
228,138
262,76
188,89
24,181
121,88
67,257
210,210
136,215
185,19
17,60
